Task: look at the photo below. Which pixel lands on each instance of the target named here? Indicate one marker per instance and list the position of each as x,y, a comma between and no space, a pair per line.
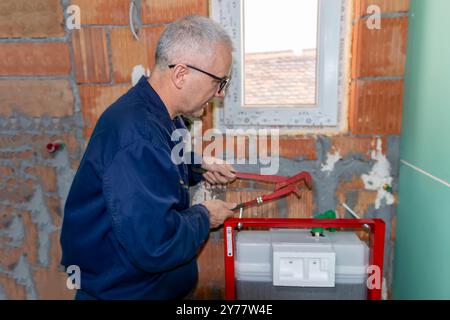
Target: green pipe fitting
330,214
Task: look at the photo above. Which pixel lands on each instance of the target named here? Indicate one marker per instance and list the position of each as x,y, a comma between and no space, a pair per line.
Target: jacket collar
155,105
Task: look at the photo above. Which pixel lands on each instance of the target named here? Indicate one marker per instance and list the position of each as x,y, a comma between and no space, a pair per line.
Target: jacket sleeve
142,187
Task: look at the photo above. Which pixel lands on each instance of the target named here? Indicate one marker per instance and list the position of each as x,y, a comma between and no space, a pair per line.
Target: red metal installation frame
377,233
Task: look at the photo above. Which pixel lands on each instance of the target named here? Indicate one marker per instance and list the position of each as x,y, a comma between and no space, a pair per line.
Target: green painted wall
422,247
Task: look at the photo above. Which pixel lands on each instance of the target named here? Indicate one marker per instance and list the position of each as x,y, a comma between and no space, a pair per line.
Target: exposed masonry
19,124
326,183
36,205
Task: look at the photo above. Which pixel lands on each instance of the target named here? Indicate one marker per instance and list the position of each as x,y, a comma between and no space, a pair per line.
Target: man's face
203,88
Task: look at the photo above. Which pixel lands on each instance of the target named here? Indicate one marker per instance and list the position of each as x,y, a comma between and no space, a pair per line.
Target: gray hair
189,36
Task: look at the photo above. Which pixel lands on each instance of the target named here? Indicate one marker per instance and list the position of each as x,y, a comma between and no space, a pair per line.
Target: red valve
55,146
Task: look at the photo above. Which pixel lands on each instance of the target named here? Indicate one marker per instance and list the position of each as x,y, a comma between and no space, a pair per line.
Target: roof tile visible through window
280,78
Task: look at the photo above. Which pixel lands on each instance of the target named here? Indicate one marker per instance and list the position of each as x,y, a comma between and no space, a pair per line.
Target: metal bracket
241,211
131,14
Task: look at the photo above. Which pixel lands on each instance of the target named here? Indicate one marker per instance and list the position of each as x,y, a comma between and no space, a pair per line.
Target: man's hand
219,211
219,171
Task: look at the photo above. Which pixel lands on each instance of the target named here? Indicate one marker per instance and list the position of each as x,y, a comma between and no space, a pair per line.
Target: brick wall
39,103
374,122
54,84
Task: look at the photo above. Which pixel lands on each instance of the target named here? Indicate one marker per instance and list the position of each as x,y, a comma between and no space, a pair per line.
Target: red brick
385,6
39,142
17,190
300,207
296,148
207,117
347,146
238,146
16,154
209,291
54,207
10,141
24,190
380,52
6,216
95,99
10,255
71,143
114,12
13,290
265,210
31,243
341,212
242,148
263,186
6,171
31,19
239,184
51,283
212,147
36,97
376,107
160,11
211,262
91,55
74,164
365,199
356,183
128,53
363,235
211,282
47,177
14,182
34,58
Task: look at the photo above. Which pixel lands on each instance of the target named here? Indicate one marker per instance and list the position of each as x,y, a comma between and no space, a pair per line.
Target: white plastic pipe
353,213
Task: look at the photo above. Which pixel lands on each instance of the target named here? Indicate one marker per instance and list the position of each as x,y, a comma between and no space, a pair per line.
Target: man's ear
179,74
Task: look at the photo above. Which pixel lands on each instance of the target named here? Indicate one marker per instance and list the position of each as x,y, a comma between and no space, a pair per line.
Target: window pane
280,45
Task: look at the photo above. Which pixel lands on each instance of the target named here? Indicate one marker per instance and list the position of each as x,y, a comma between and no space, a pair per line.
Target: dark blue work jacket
128,224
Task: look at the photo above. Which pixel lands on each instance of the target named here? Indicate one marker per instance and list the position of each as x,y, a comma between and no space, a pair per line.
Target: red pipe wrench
284,185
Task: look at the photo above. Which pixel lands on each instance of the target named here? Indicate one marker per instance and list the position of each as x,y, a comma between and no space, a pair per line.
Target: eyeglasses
223,81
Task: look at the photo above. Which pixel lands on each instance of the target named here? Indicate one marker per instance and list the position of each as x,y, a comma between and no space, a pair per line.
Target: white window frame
325,113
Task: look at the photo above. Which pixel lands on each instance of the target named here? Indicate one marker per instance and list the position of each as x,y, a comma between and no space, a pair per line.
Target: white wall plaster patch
137,73
40,216
332,159
201,194
379,176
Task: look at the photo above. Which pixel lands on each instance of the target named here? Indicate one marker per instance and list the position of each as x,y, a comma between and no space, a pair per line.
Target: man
127,222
